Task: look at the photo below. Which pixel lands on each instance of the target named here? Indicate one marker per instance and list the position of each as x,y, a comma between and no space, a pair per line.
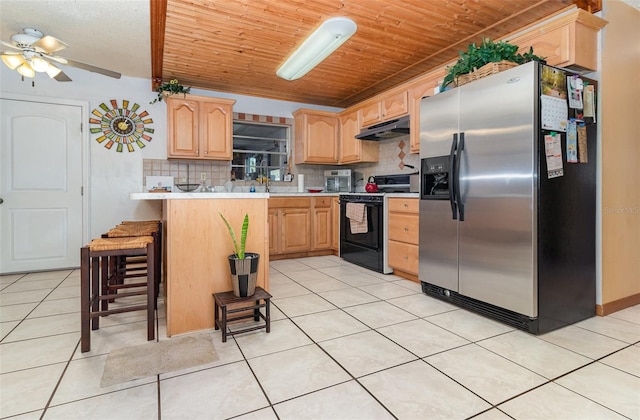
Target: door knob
1,201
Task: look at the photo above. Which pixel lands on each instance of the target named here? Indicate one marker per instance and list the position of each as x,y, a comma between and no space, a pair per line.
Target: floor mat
129,363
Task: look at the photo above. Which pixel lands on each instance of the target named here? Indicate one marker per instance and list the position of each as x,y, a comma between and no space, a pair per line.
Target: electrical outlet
203,176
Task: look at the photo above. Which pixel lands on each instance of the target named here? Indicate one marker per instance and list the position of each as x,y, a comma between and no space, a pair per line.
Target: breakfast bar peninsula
196,246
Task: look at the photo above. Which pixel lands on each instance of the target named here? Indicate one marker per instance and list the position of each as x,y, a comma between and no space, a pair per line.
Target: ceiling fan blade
93,69
7,44
49,44
62,77
56,58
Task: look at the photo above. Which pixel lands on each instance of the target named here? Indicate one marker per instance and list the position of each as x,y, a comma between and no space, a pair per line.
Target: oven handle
365,204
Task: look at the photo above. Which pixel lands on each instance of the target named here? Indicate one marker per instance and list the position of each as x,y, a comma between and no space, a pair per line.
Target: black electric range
368,248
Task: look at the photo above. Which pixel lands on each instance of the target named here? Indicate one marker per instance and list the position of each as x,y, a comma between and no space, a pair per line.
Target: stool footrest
244,330
246,308
119,310
121,295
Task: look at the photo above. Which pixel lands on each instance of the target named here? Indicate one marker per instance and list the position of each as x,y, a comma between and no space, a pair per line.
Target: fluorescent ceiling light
323,41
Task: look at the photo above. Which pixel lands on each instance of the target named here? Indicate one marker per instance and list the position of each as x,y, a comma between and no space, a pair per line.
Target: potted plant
488,52
170,88
243,265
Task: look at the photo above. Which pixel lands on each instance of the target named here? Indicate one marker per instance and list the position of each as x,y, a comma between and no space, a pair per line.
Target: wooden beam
591,6
158,17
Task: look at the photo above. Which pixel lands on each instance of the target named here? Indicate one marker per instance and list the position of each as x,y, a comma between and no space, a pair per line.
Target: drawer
403,257
404,227
289,202
320,202
404,205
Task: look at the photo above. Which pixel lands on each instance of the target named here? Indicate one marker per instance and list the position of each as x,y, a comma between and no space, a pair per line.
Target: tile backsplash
393,155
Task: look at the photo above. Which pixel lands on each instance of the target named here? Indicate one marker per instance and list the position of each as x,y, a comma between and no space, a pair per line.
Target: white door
41,214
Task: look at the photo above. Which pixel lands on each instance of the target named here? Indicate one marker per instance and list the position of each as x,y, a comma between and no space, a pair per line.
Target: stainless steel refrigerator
501,233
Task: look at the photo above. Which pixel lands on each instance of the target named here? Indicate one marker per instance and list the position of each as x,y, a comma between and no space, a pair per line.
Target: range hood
386,130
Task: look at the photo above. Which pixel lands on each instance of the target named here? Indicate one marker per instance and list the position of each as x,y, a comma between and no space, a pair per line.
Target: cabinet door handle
406,257
206,152
406,205
406,229
197,152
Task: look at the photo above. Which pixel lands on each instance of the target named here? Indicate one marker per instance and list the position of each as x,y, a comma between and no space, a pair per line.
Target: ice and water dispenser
435,178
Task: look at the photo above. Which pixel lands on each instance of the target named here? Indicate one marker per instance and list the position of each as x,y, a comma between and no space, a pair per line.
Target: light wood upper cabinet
569,41
417,91
390,106
353,150
199,128
316,136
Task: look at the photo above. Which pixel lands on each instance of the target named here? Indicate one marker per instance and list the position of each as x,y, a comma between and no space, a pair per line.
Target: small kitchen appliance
341,180
371,186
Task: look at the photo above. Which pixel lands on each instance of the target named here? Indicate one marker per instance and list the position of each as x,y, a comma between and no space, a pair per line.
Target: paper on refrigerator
553,152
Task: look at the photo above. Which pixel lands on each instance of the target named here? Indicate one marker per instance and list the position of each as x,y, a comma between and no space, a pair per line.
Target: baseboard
406,275
617,305
303,254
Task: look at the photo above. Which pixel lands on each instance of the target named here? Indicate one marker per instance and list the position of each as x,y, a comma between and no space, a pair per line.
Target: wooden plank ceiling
237,45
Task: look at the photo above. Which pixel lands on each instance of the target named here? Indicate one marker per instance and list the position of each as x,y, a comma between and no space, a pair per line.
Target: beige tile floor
346,343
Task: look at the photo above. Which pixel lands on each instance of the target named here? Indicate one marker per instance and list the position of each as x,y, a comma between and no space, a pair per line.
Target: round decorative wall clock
121,126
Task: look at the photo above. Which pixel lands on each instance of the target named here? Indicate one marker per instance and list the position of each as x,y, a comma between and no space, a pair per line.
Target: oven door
363,249
372,239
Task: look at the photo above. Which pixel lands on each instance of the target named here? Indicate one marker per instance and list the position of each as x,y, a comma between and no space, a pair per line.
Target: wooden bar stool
128,267
99,283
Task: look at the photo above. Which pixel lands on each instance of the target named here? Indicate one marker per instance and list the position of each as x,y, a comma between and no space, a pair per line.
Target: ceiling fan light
39,64
26,70
323,41
12,61
53,71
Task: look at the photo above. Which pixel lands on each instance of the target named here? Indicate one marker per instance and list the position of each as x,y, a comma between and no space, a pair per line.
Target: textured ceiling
112,34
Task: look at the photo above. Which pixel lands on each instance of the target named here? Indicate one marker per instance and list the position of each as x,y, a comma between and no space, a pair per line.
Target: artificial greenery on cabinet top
488,52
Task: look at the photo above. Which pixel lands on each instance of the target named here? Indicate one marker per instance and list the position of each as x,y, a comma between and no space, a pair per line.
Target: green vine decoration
170,88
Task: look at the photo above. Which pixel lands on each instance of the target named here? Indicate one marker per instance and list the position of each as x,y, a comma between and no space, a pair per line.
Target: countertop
194,195
233,195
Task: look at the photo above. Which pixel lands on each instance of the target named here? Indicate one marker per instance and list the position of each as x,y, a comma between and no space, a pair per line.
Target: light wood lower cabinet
300,226
403,236
335,224
289,225
321,222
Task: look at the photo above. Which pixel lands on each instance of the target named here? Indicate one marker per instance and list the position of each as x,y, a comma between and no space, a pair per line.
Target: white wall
114,175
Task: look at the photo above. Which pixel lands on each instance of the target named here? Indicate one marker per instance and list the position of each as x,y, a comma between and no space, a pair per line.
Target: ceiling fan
32,52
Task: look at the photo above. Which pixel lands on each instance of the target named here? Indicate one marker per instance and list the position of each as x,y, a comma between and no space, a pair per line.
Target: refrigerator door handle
458,162
452,184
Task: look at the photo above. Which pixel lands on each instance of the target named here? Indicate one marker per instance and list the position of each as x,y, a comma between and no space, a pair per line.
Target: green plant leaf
239,250
243,235
233,236
488,51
